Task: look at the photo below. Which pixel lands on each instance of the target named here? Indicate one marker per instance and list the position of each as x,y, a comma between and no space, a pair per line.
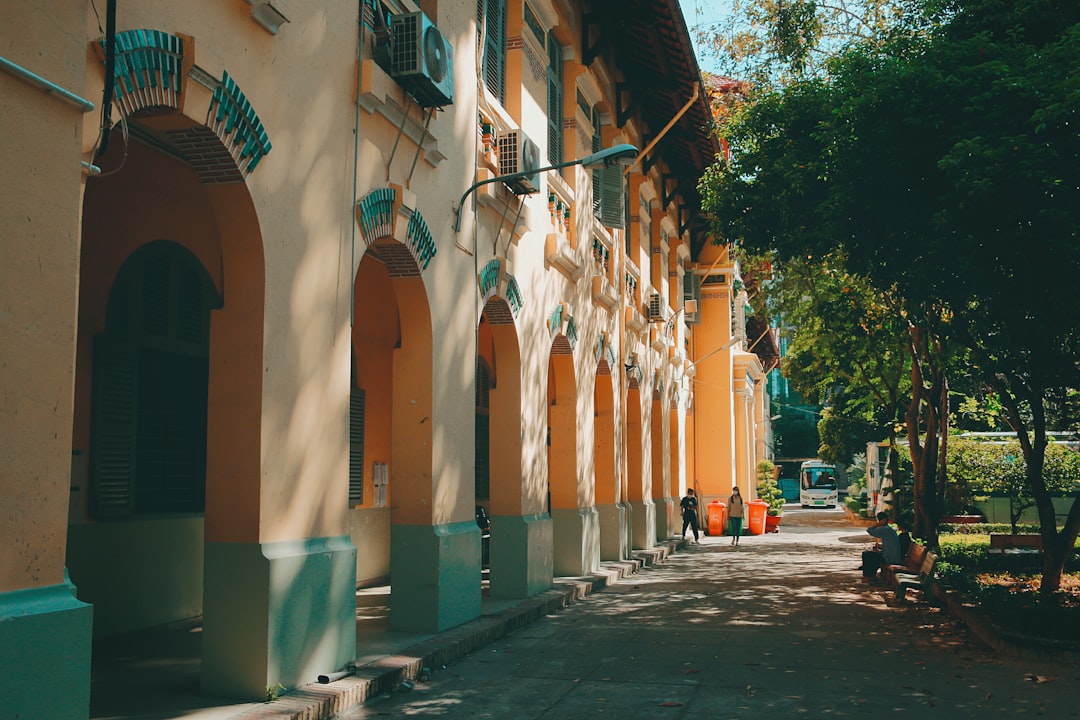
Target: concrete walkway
780,623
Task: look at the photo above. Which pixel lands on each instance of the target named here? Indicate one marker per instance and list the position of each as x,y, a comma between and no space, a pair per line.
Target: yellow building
268,334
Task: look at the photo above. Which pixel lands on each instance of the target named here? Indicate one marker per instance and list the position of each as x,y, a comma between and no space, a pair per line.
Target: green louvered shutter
555,100
113,428
612,194
596,203
357,399
483,431
692,291
492,13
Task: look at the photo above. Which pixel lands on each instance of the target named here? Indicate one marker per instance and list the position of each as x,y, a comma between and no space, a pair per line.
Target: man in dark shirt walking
689,507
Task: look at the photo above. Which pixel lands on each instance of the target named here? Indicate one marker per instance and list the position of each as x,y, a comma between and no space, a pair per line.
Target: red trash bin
755,516
716,513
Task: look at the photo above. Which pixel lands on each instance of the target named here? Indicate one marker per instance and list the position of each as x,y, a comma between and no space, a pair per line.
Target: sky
702,13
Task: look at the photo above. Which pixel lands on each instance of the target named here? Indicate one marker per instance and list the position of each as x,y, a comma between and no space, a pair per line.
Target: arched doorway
574,521
520,557
167,420
661,500
411,523
639,490
609,500
676,460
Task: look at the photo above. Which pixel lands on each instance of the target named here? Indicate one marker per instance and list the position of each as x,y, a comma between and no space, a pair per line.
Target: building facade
272,326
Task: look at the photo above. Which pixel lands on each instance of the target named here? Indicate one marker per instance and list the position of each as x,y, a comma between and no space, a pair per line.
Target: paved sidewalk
776,628
779,623
155,675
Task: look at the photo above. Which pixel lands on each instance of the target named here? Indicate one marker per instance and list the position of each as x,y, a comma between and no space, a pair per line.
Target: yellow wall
39,220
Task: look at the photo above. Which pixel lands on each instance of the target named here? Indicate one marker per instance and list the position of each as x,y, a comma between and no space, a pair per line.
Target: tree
851,349
980,467
943,162
846,351
773,42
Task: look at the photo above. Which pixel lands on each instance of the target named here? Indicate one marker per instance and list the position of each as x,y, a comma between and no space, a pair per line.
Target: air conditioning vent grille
656,307
405,58
517,153
421,60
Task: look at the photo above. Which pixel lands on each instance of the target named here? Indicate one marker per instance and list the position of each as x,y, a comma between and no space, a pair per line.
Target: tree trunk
924,421
1057,546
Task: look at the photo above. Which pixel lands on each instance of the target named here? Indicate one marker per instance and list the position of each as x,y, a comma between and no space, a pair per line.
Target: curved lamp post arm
608,156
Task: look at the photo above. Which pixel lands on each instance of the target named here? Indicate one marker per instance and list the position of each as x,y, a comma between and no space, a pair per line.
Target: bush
984,528
767,488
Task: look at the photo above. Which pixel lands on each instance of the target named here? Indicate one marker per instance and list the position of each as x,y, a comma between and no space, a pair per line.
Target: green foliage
846,349
857,474
767,488
773,42
984,529
939,163
978,468
970,554
856,504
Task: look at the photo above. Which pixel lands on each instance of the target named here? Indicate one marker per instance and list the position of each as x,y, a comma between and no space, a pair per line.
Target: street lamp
615,155
693,366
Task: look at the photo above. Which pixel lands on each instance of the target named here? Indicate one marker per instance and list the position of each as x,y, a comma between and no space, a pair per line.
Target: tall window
596,141
491,21
357,402
555,100
148,434
483,430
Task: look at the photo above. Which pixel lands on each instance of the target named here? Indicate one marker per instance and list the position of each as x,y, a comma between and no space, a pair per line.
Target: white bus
817,484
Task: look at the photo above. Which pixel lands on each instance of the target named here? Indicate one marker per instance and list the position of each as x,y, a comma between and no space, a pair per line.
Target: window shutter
483,431
555,101
493,15
483,462
357,399
596,140
156,296
113,431
692,291
612,195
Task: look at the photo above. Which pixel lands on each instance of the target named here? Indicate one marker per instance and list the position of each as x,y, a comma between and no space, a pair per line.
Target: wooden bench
923,581
1000,542
910,566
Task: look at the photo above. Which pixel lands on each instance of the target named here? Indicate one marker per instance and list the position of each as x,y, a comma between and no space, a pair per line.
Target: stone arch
394,232
124,215
574,527
610,502
658,420
207,121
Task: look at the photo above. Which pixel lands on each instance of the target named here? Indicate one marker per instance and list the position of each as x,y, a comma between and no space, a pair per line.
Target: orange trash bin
716,519
755,520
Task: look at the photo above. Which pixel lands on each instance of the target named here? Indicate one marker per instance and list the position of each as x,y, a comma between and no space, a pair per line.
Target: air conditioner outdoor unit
422,59
655,311
517,153
692,294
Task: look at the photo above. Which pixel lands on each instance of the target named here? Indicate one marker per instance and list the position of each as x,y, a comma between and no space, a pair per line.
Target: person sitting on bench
888,554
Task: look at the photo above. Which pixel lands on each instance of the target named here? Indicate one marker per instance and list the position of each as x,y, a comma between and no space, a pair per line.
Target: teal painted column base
45,662
644,524
276,614
613,545
434,576
665,519
576,541
522,558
